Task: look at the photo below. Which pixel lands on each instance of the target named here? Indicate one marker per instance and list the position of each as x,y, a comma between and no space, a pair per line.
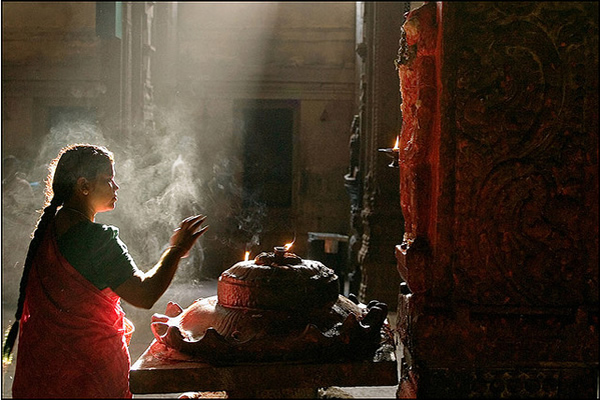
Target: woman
73,334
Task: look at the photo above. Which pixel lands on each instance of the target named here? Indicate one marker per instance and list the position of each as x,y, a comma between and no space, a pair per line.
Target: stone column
376,216
499,190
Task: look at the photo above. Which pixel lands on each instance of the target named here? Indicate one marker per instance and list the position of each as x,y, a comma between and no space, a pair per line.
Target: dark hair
73,161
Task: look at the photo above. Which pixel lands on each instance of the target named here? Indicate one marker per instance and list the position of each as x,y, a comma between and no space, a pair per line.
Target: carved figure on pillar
353,186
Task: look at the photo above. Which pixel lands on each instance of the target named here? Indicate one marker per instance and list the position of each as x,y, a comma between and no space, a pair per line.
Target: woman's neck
80,210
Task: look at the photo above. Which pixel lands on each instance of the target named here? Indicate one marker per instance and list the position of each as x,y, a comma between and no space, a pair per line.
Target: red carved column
499,191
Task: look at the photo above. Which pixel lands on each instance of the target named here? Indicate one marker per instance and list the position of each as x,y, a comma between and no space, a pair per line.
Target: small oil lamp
281,250
393,153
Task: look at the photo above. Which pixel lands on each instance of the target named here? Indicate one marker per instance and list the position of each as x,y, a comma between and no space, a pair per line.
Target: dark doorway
267,131
268,154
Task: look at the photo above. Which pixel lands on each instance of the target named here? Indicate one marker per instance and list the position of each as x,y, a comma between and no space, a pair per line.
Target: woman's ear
83,186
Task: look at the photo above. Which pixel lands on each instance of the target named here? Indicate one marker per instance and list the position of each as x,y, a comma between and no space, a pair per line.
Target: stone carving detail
509,383
504,383
515,106
353,182
380,223
524,160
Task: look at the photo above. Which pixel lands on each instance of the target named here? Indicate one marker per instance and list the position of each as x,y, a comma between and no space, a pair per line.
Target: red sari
72,339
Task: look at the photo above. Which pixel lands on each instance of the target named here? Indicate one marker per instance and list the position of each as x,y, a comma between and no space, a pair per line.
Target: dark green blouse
97,252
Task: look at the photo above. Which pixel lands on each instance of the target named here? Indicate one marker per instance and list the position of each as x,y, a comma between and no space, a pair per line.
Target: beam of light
180,167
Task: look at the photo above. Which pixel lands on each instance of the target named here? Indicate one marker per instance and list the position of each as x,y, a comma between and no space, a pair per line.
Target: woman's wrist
177,249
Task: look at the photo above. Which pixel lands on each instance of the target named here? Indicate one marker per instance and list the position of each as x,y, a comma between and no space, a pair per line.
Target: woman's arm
145,288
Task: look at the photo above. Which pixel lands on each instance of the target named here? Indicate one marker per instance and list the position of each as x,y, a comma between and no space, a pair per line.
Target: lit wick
247,256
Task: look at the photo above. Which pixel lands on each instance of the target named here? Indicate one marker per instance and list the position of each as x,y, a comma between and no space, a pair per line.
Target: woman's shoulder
91,231
104,228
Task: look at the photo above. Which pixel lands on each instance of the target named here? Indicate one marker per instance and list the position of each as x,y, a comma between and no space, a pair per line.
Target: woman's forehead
109,171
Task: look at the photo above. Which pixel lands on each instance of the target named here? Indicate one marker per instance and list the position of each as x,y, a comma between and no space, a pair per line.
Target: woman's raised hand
189,230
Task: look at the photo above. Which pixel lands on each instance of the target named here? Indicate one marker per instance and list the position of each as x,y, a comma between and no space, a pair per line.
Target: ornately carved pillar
499,190
376,215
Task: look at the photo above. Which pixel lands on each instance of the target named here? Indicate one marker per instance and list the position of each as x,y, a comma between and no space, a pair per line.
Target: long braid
38,235
72,162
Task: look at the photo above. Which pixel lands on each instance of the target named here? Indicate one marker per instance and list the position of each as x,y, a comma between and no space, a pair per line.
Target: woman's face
103,191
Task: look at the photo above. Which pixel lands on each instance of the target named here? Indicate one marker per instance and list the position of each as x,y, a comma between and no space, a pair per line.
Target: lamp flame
247,256
288,246
397,145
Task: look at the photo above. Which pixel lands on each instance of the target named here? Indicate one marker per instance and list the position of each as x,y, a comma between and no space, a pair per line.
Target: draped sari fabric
72,339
